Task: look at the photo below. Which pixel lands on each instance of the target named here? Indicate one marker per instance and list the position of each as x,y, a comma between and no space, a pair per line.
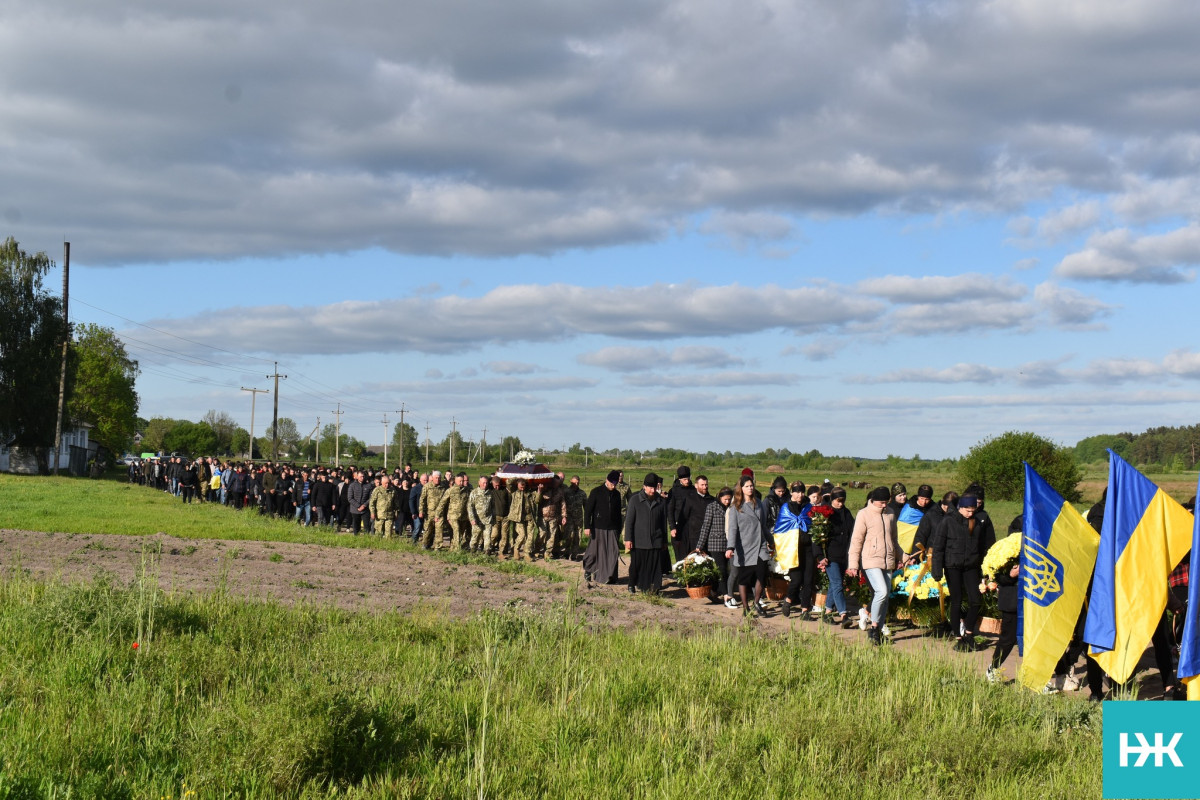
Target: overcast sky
865,228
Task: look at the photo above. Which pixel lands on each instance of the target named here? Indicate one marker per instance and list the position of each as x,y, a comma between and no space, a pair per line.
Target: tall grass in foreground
248,699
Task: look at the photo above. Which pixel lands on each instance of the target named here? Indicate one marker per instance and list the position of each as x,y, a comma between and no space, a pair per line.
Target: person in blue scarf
793,550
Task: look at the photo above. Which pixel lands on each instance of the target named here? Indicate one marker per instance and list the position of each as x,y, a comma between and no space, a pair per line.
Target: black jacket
1006,591
322,494
690,514
646,522
837,550
602,509
956,546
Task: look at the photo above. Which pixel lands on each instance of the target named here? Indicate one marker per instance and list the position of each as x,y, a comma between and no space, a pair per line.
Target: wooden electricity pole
62,373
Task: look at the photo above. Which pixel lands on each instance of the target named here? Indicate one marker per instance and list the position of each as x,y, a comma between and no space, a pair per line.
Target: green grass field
231,698
224,698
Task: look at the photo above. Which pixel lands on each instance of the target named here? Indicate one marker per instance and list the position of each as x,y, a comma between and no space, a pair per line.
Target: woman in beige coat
875,550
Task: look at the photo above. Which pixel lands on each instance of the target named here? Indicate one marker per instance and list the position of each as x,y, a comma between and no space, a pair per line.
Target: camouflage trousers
526,539
432,533
481,535
571,532
383,527
551,534
502,536
460,533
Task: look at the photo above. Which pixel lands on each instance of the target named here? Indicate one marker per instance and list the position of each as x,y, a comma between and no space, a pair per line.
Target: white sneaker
1070,683
864,619
731,603
994,676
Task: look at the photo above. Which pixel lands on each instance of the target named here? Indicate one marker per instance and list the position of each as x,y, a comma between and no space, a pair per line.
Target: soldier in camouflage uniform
453,509
383,507
576,498
523,513
554,516
479,511
502,537
431,496
625,492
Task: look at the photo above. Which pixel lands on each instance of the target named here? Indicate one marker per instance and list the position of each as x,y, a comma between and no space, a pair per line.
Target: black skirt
602,556
646,569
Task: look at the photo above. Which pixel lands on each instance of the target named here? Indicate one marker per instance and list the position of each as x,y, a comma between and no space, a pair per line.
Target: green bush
996,464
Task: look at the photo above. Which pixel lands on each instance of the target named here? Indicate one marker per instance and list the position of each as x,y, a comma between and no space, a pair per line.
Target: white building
73,456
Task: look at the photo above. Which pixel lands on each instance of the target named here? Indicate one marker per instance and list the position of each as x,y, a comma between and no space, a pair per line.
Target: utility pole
453,431
317,450
275,418
385,432
337,448
254,393
401,413
426,444
62,373
482,447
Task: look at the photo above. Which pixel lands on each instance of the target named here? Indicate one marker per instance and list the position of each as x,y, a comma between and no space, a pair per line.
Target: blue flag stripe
911,515
1189,647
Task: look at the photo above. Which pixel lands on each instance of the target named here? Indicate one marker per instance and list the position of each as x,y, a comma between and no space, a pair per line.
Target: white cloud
634,359
712,379
194,130
942,288
1069,307
745,230
535,313
1119,255
1100,372
511,367
1070,220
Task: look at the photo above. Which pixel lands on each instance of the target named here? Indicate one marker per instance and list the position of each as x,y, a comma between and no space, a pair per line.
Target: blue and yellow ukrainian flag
1146,533
1058,552
1189,647
906,526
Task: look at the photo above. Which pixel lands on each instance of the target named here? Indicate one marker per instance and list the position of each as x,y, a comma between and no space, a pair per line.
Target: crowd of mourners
739,528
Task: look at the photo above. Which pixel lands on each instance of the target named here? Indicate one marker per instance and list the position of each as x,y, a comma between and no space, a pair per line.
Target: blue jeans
836,596
416,534
306,507
880,590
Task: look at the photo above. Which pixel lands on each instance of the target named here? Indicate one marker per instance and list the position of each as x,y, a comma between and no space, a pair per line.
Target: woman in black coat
959,545
833,556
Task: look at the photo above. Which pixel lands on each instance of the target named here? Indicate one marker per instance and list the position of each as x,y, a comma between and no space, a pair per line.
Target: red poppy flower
135,645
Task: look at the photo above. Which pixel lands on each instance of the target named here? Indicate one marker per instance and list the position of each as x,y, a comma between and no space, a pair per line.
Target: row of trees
100,386
1172,449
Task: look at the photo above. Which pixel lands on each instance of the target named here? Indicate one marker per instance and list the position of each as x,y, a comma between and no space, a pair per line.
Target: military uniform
432,533
576,498
502,537
523,513
479,511
383,509
553,506
453,509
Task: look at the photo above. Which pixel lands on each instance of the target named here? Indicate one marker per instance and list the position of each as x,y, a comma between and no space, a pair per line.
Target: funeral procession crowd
798,532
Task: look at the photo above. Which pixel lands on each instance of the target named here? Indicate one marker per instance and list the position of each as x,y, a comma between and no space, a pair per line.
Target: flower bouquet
696,570
818,526
1000,558
924,596
524,458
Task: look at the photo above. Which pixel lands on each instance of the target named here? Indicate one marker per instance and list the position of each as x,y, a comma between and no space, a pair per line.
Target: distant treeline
1170,449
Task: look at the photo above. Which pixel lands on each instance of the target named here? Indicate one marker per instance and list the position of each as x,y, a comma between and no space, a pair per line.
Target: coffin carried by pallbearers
525,465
